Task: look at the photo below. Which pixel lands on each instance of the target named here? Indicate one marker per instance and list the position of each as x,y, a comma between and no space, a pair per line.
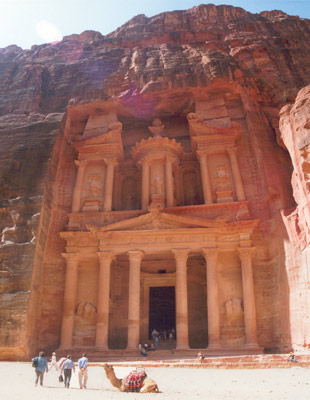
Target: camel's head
108,368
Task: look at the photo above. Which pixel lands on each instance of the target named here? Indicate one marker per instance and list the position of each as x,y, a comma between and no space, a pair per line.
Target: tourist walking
67,368
41,366
83,374
53,362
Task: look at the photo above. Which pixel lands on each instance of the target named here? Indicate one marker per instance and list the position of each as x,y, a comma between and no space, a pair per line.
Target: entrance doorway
161,308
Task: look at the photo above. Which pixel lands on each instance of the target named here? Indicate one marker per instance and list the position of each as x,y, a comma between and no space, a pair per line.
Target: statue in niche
222,177
234,311
94,187
87,311
157,186
157,128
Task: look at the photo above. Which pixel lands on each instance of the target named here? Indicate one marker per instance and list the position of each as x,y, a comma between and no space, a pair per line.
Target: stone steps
230,362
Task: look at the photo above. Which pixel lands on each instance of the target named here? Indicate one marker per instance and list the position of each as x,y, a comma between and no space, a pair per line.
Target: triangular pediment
158,219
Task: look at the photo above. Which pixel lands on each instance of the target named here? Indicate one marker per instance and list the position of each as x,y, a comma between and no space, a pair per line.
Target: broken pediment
157,219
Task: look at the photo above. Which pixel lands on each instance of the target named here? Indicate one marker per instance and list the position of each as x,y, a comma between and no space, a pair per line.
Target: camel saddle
134,381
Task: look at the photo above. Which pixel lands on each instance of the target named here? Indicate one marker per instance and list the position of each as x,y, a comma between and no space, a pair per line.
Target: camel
148,384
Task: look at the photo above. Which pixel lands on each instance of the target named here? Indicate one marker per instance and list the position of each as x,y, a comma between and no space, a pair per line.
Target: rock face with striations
226,64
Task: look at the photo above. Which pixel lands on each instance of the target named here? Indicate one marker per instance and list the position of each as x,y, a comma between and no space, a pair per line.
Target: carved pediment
157,219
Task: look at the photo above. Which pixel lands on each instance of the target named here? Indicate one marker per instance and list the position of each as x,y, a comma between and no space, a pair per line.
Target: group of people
165,334
65,366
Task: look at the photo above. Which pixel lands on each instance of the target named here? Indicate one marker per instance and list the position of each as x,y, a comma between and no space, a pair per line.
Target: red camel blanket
134,381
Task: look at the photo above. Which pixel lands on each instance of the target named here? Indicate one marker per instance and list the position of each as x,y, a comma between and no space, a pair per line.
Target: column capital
170,159
231,150
71,257
246,253
202,153
210,253
106,255
81,163
135,255
111,161
180,254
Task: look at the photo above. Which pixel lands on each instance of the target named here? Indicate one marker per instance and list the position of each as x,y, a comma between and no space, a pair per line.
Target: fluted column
181,298
214,331
207,194
145,192
169,184
108,186
102,327
245,254
232,152
72,260
135,258
76,200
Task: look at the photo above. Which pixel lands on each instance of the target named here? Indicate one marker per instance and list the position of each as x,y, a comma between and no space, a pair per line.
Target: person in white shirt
53,362
83,374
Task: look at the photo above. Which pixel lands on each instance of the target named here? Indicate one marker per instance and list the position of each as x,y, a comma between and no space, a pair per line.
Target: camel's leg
149,388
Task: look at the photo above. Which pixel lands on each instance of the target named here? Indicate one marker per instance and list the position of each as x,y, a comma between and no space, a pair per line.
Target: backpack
35,362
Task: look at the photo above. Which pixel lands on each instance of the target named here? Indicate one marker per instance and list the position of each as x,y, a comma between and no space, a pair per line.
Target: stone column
72,260
245,254
181,298
76,200
169,184
108,186
102,327
135,258
205,177
232,152
145,192
214,330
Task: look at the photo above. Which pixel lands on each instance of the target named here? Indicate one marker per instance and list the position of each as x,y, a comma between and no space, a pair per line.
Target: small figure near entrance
292,357
156,342
154,334
67,368
41,366
83,374
200,357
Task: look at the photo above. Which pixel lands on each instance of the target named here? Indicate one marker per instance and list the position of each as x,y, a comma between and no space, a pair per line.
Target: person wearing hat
53,362
67,368
83,374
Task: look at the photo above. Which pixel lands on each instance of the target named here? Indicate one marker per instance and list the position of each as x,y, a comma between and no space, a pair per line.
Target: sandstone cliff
248,66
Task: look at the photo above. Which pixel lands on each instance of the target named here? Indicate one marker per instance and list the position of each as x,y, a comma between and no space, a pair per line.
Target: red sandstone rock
222,62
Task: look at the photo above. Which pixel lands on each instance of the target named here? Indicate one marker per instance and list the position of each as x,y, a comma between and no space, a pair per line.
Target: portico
171,241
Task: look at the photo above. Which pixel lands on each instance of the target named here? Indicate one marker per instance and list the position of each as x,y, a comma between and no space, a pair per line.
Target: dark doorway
162,308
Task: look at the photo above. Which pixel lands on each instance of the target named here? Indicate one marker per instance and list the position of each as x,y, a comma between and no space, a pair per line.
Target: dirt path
17,383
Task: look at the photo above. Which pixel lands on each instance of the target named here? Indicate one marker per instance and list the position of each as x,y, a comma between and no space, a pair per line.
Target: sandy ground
17,383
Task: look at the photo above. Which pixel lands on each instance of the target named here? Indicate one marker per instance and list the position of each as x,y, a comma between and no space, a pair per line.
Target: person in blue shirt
41,367
83,374
67,367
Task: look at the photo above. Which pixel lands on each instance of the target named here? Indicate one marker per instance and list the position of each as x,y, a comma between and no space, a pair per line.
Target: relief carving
86,311
234,311
222,177
157,185
94,188
157,128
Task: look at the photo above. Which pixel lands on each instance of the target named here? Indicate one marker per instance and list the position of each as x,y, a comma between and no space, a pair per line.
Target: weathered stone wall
153,66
